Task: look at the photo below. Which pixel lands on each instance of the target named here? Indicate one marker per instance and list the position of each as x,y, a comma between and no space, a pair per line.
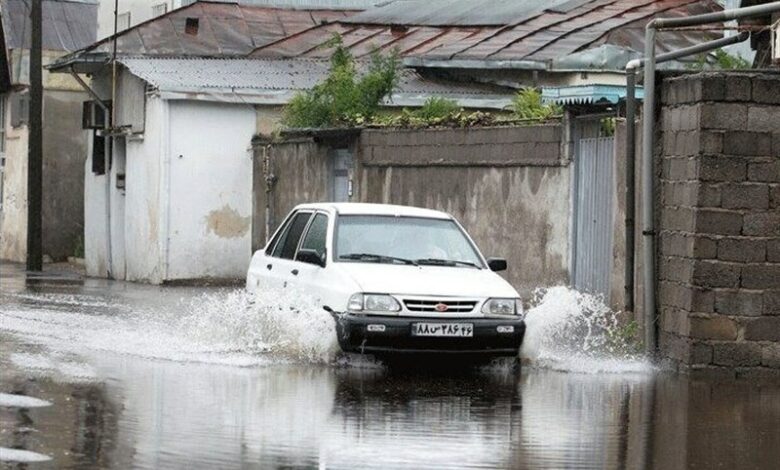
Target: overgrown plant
344,98
527,104
720,60
437,108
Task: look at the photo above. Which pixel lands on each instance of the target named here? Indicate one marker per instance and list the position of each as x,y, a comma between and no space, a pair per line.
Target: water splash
287,324
227,328
571,331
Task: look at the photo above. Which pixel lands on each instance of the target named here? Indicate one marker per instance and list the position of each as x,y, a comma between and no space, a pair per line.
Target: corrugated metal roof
272,81
68,25
536,40
224,30
454,12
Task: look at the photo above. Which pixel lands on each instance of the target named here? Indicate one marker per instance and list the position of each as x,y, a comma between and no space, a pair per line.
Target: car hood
428,280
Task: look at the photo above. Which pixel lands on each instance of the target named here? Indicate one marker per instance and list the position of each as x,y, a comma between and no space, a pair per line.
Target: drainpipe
648,143
631,68
106,160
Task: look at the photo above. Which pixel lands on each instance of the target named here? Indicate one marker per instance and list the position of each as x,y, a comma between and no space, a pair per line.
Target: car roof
359,208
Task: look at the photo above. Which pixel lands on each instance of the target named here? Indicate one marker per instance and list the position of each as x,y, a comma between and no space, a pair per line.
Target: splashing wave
571,331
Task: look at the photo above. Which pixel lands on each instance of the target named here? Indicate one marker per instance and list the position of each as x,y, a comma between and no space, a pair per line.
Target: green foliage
420,118
608,126
343,99
625,339
720,60
437,108
527,104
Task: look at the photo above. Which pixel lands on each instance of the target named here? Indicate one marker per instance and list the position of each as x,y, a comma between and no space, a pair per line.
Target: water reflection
149,414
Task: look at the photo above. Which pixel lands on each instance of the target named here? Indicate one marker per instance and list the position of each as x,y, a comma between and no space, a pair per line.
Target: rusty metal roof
68,25
216,29
534,36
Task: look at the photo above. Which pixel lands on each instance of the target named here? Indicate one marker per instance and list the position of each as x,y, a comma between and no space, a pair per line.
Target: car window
288,242
278,235
408,238
316,235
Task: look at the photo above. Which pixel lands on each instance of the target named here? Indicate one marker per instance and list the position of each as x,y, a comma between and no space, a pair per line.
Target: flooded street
126,376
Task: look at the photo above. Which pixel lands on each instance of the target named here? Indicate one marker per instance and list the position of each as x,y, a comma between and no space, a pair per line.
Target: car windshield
404,240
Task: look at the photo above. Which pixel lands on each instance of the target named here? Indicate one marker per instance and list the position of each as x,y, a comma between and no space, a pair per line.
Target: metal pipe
630,174
717,17
648,177
648,145
630,188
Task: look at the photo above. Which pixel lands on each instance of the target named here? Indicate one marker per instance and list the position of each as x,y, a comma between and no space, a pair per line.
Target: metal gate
342,162
593,215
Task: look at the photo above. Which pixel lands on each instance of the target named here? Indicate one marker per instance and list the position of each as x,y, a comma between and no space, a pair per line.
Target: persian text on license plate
443,329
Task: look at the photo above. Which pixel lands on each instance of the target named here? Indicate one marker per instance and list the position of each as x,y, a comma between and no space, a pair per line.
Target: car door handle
295,272
269,266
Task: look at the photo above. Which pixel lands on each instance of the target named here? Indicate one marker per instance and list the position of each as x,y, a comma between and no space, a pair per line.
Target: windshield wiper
446,262
380,258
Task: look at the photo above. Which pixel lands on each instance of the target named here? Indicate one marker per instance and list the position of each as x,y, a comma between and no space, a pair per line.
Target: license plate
443,329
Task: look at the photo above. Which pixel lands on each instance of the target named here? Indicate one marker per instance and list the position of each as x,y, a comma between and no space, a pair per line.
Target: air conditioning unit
93,116
775,37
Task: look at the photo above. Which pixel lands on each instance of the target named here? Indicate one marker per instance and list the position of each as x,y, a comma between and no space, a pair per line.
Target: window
411,238
288,242
123,21
159,9
317,235
191,26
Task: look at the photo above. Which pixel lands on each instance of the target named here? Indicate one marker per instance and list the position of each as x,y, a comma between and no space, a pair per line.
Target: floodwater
98,374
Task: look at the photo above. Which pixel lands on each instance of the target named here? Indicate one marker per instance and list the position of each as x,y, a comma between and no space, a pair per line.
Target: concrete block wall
509,187
719,238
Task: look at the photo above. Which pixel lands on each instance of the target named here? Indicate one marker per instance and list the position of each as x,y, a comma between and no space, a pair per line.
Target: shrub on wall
344,99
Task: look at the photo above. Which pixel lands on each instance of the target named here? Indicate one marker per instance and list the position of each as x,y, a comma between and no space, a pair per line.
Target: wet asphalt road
125,396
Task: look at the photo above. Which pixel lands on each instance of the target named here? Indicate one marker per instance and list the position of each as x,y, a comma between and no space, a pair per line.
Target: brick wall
719,239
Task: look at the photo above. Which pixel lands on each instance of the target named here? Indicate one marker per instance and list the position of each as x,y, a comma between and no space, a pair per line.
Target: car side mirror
311,257
496,264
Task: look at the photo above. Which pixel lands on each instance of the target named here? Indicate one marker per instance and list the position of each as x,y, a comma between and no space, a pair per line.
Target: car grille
427,305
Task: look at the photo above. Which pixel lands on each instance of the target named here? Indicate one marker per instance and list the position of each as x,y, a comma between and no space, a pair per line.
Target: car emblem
441,307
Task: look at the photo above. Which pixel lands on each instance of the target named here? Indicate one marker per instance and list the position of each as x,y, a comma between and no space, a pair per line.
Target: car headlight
498,306
373,303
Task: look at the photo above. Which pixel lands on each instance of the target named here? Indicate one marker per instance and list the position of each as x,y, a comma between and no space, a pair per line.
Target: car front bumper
353,336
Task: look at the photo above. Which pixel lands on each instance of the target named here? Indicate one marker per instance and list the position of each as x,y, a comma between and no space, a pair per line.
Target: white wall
210,189
140,10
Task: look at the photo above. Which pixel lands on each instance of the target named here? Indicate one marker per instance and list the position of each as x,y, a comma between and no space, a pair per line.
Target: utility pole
35,146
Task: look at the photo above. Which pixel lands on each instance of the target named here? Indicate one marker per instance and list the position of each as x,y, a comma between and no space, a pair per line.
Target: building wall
64,147
13,218
719,243
184,213
140,11
508,186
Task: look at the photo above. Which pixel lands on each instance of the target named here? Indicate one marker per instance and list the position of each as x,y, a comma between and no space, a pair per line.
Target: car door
325,282
276,267
312,278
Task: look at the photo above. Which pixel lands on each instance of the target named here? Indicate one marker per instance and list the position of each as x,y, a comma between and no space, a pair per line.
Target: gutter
648,144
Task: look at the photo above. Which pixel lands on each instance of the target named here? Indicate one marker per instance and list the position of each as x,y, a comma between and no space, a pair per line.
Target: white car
398,279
